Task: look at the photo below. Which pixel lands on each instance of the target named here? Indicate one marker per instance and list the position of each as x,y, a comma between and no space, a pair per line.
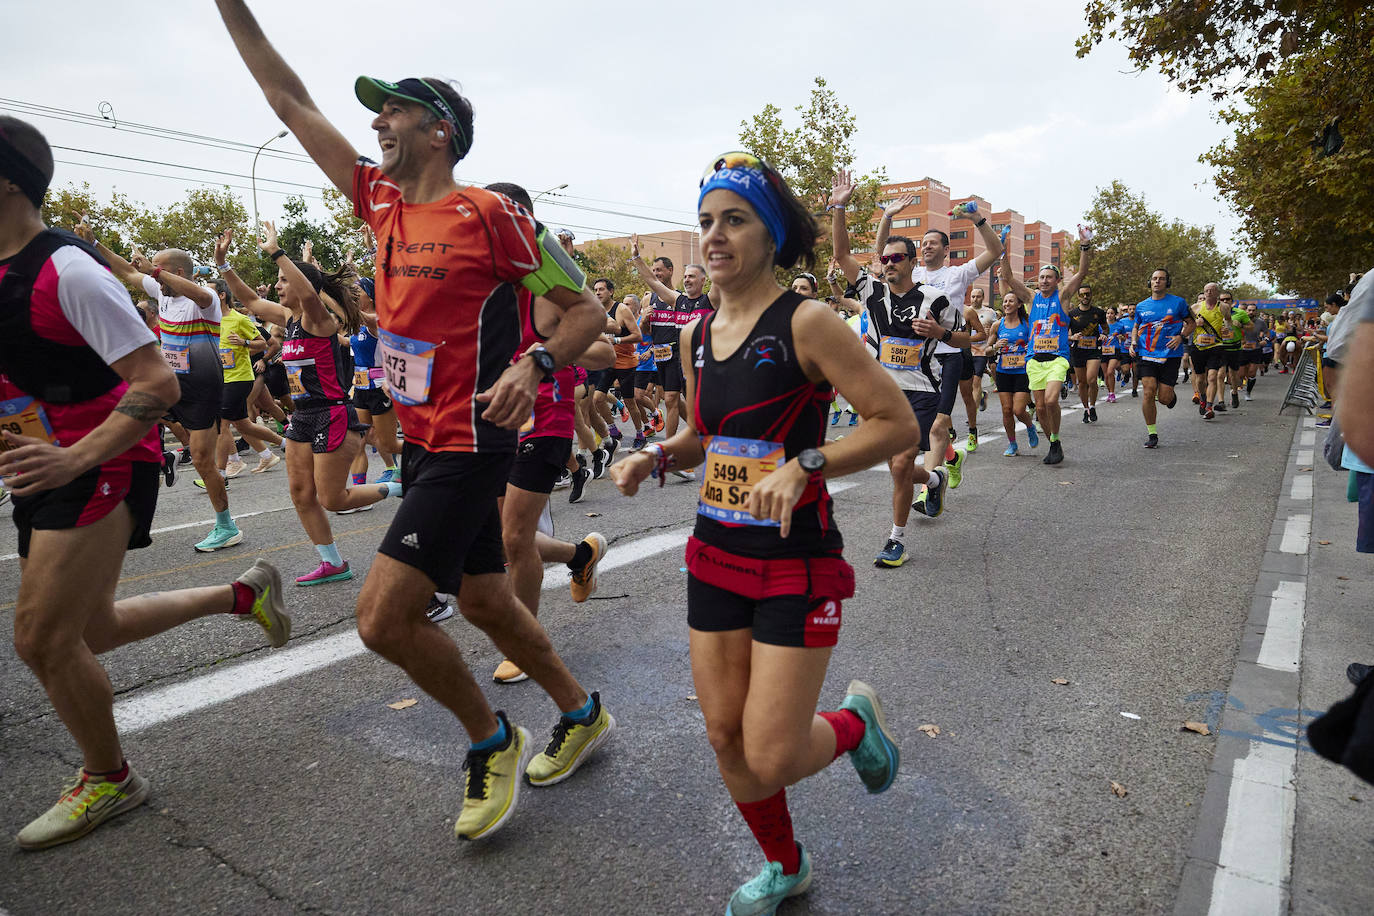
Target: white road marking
143,710
1301,489
1308,437
1309,421
1281,649
1297,533
205,524
1257,841
1304,457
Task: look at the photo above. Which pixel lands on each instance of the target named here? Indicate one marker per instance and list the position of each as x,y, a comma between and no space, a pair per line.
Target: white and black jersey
908,358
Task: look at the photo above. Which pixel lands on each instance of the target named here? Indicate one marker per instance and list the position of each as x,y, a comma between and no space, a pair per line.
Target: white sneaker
1247,396
233,468
267,464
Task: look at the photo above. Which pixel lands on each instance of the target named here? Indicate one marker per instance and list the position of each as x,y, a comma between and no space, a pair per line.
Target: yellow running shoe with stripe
491,781
86,803
572,745
269,611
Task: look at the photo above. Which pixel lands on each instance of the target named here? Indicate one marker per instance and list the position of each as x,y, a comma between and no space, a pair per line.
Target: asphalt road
1129,573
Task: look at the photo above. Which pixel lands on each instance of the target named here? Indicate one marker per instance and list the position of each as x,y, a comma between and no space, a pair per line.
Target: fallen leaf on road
1324,543
403,704
1304,469
1066,483
1344,578
1061,681
691,696
1118,790
930,730
1355,798
593,515
1199,727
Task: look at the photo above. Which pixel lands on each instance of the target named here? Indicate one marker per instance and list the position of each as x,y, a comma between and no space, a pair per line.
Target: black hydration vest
51,372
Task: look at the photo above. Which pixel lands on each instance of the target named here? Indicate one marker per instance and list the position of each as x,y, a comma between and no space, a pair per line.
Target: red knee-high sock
771,823
849,729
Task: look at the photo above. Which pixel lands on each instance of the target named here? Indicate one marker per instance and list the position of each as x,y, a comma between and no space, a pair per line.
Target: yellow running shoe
86,803
583,582
491,781
571,746
268,610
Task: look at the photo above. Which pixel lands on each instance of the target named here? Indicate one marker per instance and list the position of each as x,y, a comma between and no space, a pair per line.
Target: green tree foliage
808,157
1245,290
606,259
1132,241
1304,211
1221,45
333,238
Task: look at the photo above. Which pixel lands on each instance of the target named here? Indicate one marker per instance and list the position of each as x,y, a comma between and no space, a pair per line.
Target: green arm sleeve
555,268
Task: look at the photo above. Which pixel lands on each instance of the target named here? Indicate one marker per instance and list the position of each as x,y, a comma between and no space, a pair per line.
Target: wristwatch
944,338
544,360
811,460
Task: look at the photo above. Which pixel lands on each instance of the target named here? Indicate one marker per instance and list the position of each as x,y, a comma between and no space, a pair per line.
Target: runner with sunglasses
933,272
766,574
1049,365
449,260
903,322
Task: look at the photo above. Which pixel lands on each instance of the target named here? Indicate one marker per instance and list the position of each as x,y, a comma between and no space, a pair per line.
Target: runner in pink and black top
324,435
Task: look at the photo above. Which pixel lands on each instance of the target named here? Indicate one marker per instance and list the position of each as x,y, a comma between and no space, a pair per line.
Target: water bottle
201,271
965,209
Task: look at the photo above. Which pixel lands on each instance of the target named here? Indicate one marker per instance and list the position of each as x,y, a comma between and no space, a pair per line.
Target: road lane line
1304,457
1309,437
1257,841
1281,649
1301,489
204,524
143,710
1297,533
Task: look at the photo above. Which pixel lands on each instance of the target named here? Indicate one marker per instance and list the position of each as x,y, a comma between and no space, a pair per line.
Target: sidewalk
1333,842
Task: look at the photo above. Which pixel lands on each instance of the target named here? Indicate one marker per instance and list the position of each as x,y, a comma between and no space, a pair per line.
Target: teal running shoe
761,895
219,538
1032,435
387,476
876,758
1010,452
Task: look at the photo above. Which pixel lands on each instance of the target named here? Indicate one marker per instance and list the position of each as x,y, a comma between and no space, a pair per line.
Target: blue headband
753,186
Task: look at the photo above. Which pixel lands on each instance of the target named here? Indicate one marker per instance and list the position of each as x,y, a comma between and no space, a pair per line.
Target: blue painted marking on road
1282,726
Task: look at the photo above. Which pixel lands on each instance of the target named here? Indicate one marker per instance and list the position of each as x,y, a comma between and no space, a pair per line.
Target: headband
753,185
15,166
368,286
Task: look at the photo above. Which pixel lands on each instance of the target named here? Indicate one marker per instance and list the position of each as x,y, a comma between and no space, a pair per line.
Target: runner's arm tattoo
141,406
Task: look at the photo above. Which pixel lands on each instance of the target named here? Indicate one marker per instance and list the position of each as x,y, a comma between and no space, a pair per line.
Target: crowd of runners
485,373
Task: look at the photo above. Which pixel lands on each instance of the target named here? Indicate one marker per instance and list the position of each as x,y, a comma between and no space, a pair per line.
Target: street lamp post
550,191
253,176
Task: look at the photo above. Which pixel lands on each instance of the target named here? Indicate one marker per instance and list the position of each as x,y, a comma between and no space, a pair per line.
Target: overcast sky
626,102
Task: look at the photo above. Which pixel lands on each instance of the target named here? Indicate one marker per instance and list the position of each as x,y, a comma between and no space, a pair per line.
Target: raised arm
885,224
1085,252
666,294
120,267
840,193
1013,282
992,240
315,318
287,95
267,311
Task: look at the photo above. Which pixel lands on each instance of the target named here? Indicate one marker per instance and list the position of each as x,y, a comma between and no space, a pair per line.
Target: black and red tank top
755,410
316,372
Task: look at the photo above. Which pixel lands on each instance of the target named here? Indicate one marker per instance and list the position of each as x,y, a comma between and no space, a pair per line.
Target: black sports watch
544,360
812,460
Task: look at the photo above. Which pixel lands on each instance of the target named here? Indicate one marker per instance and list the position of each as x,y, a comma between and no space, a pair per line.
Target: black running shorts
1165,372
448,525
233,402
1081,356
539,462
951,373
925,405
1013,382
89,498
373,400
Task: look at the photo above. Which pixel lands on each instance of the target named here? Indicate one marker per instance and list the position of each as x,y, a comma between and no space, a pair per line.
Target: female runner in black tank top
323,434
765,571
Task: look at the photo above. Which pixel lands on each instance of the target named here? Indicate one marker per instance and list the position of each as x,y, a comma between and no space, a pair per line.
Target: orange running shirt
447,311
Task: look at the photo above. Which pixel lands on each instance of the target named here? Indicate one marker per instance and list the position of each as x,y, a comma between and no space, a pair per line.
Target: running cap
16,167
754,180
373,93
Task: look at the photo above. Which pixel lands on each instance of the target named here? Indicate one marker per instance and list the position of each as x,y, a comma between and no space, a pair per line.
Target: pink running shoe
1111,397
327,572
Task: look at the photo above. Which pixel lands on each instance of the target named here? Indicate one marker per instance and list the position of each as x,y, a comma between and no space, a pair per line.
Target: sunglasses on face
738,160
892,258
